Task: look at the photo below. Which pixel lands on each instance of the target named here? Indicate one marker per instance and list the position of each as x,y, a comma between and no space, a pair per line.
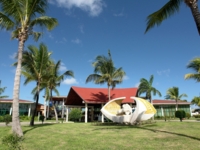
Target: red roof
78,95
168,102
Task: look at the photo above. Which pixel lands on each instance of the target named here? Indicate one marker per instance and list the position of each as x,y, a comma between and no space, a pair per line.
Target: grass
90,136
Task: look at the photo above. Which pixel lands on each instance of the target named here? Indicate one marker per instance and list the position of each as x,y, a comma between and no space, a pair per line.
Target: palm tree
169,9
196,101
194,65
105,72
173,94
1,91
53,80
147,88
35,67
20,17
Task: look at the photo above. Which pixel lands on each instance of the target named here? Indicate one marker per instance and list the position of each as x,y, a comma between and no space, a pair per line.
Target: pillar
86,112
45,109
29,111
10,110
162,112
67,114
102,116
62,116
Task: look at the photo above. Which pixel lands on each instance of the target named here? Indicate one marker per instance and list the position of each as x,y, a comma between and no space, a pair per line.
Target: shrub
7,119
1,119
13,142
196,116
75,114
180,114
188,115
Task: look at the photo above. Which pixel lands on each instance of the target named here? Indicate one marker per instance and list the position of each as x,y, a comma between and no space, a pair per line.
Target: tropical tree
53,80
169,9
195,66
20,17
35,68
196,101
146,87
1,91
105,72
173,94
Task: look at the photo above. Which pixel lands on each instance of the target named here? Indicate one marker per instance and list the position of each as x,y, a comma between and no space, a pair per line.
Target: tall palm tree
20,17
173,94
195,66
196,101
105,72
35,68
169,9
53,80
147,88
1,91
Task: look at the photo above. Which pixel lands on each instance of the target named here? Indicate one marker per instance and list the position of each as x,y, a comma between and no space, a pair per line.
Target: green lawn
80,136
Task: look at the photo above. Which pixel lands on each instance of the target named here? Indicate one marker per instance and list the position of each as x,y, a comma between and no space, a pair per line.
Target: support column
102,116
45,109
66,114
29,111
86,112
162,112
48,110
62,116
10,110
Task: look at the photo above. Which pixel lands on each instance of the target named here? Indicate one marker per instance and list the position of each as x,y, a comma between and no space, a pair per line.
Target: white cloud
62,67
50,36
64,40
13,56
164,72
81,29
137,84
93,7
121,14
76,41
125,78
70,81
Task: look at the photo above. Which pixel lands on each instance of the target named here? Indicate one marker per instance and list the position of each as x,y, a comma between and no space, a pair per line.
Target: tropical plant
169,9
20,17
75,114
35,68
173,94
196,101
105,72
180,114
146,87
53,80
2,91
195,66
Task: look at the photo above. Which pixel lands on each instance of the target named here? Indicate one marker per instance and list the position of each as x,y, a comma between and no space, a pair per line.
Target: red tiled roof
168,102
98,95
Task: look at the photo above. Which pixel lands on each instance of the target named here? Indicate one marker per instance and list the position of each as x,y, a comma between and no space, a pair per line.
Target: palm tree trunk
36,104
16,127
56,115
193,4
108,92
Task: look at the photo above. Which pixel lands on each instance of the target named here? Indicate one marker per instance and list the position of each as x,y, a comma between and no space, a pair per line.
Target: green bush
1,119
7,119
196,116
188,115
23,117
75,114
13,142
180,114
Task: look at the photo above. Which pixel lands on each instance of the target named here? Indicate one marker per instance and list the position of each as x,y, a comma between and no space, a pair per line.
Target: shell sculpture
143,110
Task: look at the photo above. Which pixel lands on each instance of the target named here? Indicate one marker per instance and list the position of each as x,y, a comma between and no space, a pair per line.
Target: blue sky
88,28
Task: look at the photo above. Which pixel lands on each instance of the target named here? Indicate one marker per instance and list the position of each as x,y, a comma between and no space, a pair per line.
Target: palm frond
169,9
6,22
45,21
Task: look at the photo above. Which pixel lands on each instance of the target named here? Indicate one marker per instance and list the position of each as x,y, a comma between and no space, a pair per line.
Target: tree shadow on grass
124,127
36,126
174,133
